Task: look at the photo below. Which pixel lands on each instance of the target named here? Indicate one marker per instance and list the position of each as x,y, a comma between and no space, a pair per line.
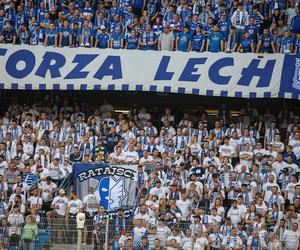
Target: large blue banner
246,75
113,185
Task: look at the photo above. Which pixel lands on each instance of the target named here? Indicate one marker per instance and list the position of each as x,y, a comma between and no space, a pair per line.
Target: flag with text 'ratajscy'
112,184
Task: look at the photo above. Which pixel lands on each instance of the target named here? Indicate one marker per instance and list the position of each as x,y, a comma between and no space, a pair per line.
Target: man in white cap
102,40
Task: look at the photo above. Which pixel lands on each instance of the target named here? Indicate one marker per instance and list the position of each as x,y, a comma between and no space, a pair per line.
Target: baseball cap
102,27
61,191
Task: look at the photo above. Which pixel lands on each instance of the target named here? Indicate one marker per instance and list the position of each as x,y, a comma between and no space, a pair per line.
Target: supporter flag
112,184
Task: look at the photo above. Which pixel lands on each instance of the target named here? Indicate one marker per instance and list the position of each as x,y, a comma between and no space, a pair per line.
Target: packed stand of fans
196,25
230,183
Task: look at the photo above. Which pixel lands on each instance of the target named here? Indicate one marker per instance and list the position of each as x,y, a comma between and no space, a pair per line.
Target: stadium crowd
195,25
226,183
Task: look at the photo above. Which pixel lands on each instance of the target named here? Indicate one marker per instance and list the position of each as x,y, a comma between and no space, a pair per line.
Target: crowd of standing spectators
220,182
196,25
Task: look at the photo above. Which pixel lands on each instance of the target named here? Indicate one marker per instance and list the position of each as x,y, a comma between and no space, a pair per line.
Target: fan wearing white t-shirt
279,165
235,213
278,144
3,164
174,240
3,209
215,238
271,153
295,142
35,202
267,188
291,237
138,232
214,217
291,189
159,190
276,198
91,205
201,241
59,203
131,156
127,134
260,205
188,245
226,149
47,190
15,220
142,213
42,125
20,183
245,139
150,129
12,198
146,160
163,231
241,207
233,241
116,157
3,188
184,205
246,156
255,241
193,179
59,206
211,159
144,116
234,142
74,206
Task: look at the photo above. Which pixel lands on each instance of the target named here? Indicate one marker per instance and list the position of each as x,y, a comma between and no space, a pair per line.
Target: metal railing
63,234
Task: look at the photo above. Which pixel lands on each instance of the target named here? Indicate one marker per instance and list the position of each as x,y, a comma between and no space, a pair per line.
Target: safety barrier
63,234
